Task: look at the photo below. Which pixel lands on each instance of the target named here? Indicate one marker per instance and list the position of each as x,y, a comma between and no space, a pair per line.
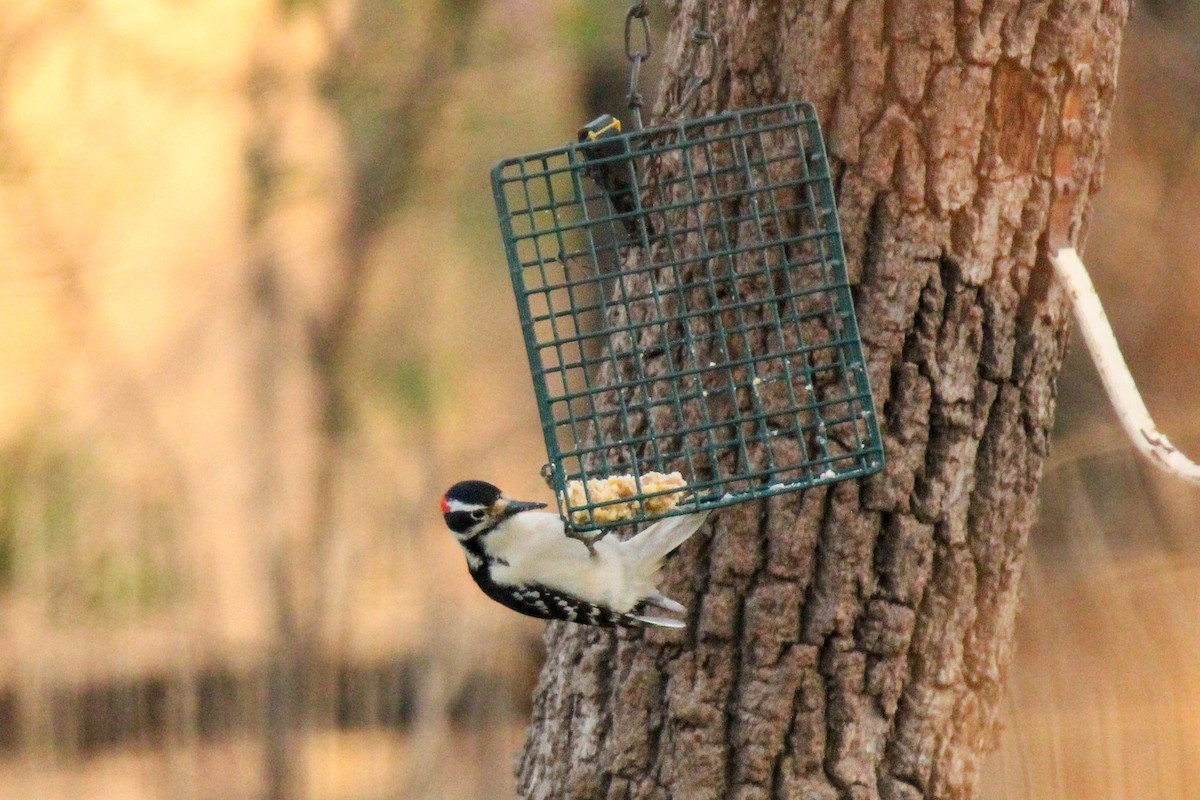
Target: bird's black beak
510,507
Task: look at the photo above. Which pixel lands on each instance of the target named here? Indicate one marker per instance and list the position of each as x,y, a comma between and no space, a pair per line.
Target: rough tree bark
853,642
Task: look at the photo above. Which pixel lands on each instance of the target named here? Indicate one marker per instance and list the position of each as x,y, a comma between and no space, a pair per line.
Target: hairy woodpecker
523,559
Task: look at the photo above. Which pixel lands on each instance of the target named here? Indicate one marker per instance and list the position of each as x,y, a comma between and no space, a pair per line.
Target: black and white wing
535,600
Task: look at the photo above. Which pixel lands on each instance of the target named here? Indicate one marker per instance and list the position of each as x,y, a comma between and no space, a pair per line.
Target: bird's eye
478,515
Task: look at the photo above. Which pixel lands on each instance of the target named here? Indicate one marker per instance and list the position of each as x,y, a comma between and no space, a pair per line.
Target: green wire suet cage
683,296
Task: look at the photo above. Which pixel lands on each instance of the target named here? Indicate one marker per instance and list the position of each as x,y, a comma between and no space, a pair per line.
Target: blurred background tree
255,317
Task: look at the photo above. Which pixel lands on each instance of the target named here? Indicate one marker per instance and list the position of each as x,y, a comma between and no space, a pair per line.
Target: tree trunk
853,642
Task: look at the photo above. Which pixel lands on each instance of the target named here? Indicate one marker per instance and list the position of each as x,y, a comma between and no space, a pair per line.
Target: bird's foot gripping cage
685,307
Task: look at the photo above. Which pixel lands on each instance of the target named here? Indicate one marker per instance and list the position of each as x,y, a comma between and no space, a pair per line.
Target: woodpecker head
472,507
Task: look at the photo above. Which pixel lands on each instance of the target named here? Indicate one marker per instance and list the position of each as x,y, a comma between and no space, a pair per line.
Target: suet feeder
683,296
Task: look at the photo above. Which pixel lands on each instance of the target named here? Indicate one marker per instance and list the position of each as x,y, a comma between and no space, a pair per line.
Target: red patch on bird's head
445,506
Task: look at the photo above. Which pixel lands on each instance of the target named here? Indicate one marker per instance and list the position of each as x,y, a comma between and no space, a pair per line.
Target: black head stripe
477,493
460,521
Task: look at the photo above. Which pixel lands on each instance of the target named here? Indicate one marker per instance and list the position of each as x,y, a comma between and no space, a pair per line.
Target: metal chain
637,50
638,19
703,39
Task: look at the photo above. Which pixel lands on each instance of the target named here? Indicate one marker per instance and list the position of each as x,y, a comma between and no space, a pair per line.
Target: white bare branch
1114,372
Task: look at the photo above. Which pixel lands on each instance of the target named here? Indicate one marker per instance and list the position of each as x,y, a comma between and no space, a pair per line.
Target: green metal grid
683,296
